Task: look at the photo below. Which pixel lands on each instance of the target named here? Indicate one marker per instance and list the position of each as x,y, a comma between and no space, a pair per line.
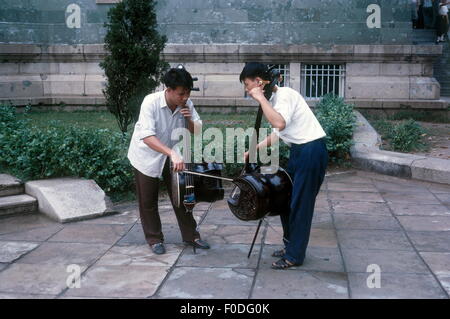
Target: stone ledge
232,52
367,155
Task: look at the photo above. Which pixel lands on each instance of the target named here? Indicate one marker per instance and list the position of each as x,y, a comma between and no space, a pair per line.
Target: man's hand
257,93
246,156
177,162
186,112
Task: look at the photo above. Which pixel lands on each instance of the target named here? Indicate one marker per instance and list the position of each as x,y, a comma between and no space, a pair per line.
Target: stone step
9,185
17,204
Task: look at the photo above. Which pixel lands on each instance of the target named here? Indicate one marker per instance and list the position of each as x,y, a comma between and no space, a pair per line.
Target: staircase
441,66
13,200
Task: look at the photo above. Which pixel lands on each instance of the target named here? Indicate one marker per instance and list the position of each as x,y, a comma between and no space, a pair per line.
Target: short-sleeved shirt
156,119
302,125
443,10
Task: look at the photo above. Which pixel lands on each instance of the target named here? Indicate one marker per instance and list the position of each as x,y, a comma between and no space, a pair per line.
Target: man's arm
275,118
155,144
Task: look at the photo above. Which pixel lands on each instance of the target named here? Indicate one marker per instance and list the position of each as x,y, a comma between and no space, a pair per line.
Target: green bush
338,121
405,136
56,151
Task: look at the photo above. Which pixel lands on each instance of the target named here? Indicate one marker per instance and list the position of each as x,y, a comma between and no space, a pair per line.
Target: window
320,79
284,70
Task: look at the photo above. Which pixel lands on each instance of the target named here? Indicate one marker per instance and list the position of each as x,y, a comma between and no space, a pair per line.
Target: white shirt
302,125
443,10
155,119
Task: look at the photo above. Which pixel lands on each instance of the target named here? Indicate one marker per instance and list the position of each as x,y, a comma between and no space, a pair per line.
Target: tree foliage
133,66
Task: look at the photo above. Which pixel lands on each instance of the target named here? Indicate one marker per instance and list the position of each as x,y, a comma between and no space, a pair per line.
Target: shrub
407,136
338,122
32,153
133,66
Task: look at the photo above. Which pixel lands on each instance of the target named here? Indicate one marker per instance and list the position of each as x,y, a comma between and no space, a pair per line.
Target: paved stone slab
401,209
3,266
140,255
346,207
356,196
300,285
82,233
411,197
357,177
223,216
127,217
431,241
390,261
439,264
119,281
347,187
25,296
65,254
373,239
34,279
134,237
427,223
69,199
399,187
228,234
221,256
396,286
438,188
36,234
15,224
359,221
444,198
207,283
319,237
317,259
11,251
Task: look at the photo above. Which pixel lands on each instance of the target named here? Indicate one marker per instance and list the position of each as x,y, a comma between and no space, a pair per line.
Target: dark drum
259,194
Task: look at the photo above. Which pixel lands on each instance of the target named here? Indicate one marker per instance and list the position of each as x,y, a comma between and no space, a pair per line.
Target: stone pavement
361,219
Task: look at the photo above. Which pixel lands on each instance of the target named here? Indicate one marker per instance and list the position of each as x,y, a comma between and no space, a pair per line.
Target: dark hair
253,70
176,77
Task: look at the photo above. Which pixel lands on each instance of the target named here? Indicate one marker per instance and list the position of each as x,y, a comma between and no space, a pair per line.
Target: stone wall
376,75
214,21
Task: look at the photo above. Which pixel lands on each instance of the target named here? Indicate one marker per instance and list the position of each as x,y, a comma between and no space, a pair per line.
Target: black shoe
198,243
158,248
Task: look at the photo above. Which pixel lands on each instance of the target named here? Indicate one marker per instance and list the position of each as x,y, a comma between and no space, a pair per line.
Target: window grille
321,79
284,70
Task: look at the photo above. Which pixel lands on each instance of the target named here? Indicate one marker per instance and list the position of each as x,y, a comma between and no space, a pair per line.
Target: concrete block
13,86
364,87
17,204
363,69
213,68
63,84
223,86
431,169
79,68
424,88
39,68
69,199
94,84
9,68
395,69
9,185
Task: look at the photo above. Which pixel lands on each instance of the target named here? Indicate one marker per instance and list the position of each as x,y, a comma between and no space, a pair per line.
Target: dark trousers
307,165
147,192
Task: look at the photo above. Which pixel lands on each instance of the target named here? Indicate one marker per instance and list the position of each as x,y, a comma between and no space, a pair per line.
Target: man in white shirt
151,152
296,124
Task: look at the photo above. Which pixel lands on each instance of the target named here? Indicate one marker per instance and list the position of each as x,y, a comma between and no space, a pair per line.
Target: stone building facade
363,50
